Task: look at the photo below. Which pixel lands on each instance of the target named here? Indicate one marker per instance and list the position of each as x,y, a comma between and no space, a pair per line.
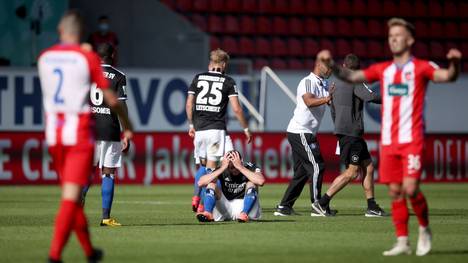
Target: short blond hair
395,21
219,56
71,23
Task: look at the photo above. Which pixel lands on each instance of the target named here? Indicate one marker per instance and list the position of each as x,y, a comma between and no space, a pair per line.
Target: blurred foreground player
403,83
66,72
108,151
232,191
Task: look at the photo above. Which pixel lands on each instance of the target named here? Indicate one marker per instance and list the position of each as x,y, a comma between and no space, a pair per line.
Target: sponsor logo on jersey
398,89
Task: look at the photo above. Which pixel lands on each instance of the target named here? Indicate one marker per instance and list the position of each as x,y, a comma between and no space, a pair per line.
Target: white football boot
401,247
424,241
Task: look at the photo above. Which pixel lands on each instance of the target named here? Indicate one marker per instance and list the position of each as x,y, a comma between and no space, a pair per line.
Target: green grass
159,227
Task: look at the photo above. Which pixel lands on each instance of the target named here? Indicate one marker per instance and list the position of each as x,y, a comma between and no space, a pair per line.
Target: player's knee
352,172
411,191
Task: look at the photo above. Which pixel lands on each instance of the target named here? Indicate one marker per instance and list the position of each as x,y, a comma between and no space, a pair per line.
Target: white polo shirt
305,119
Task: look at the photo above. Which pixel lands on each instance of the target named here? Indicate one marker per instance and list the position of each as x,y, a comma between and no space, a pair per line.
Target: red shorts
399,161
74,164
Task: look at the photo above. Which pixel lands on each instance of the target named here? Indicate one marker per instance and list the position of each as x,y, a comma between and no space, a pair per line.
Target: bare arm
237,109
125,140
311,100
254,177
208,178
451,73
112,101
189,112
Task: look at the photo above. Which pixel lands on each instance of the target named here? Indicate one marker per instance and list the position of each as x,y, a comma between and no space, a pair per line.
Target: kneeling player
232,191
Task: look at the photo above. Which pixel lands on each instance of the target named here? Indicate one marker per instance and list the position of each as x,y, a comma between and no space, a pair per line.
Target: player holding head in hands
66,72
206,107
232,191
403,83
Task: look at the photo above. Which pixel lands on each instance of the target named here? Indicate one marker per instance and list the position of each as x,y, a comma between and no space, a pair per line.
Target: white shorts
228,146
226,210
209,144
108,154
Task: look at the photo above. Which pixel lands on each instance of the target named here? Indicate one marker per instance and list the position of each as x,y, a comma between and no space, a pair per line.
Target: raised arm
256,177
451,73
208,178
364,93
351,76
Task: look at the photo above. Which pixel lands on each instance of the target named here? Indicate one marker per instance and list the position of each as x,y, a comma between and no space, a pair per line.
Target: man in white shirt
312,97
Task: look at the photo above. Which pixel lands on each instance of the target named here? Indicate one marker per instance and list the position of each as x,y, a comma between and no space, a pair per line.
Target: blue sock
209,200
249,199
200,172
203,189
84,191
107,193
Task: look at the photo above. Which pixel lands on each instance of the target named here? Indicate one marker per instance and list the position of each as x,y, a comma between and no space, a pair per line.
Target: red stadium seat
200,5
279,47
280,26
390,8
375,49
406,9
327,44
313,7
436,29
451,8
374,8
214,42
296,26
437,50
464,48
328,7
376,28
343,47
342,7
248,6
359,27
296,7
184,5
229,44
266,7
281,7
465,66
311,47
215,24
420,8
295,47
435,9
200,22
359,48
421,50
450,44
262,47
232,6
463,30
260,63
264,25
169,3
422,29
246,46
309,64
451,30
463,8
344,27
278,64
327,27
247,25
387,52
231,24
312,27
295,64
359,8
217,6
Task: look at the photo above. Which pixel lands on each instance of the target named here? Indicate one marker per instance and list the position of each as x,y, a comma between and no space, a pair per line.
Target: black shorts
353,150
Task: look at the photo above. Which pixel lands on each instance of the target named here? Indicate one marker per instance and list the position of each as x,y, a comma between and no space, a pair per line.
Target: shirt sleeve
372,73
96,73
232,91
193,87
252,167
122,88
428,69
366,94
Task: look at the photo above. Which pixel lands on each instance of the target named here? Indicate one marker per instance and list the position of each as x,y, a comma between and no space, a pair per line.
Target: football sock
81,230
371,204
400,216
420,208
210,200
63,225
107,193
200,172
249,199
83,193
324,201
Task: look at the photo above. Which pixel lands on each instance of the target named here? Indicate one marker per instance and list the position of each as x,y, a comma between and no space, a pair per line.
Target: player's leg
98,156
250,198
112,159
200,160
373,209
209,202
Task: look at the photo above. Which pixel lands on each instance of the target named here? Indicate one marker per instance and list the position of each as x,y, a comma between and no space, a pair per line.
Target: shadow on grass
211,223
448,252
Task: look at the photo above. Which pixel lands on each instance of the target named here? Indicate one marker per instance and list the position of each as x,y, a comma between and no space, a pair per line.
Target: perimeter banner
166,158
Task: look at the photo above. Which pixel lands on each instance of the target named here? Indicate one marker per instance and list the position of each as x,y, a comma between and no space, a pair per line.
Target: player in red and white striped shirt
66,71
403,84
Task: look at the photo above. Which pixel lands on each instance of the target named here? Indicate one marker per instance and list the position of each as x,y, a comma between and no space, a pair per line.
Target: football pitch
160,227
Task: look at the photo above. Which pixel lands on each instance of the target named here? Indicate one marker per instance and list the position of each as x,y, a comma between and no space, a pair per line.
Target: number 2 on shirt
57,98
215,90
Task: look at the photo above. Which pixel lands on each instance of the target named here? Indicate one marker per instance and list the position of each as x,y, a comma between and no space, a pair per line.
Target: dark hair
233,151
105,51
351,61
103,17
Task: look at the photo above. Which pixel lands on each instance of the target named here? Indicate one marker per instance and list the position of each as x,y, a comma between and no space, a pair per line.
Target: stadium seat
421,50
420,8
359,8
232,6
344,28
387,52
374,8
264,25
296,27
436,29
451,44
406,9
464,48
217,6
200,5
309,64
451,30
262,47
313,7
231,24
465,66
266,7
343,47
359,27
328,8
342,7
463,8
375,49
281,7
359,48
437,50
464,30
295,64
246,46
327,26
327,44
422,29
248,6
278,64
296,7
312,27
390,8
280,26
435,9
279,47
260,63
215,24
214,42
184,5
169,3
311,47
450,8
200,21
229,44
295,47
247,25
376,28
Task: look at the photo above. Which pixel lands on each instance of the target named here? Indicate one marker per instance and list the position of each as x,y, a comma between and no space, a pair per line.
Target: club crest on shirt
408,76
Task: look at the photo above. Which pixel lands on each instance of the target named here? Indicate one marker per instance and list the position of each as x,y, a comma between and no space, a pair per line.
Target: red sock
63,226
420,208
400,217
81,230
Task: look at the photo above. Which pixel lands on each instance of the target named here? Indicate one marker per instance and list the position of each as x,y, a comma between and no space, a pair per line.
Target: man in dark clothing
347,114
